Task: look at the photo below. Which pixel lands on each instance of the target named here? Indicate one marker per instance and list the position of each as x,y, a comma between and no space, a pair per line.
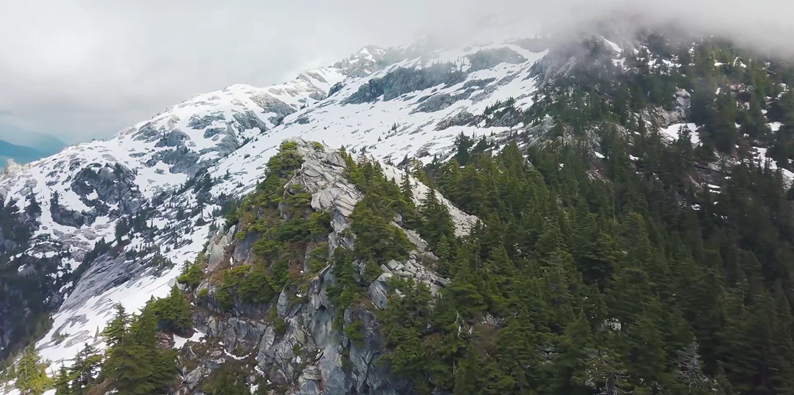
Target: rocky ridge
306,356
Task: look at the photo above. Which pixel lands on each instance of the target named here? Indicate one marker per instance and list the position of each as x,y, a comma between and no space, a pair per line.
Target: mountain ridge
133,208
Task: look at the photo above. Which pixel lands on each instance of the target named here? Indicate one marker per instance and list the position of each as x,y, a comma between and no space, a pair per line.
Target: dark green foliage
62,382
252,284
31,378
192,274
437,226
619,276
26,296
279,325
288,159
257,287
135,365
403,321
320,223
346,290
173,313
116,328
371,272
318,258
82,375
226,382
224,299
354,333
611,281
376,238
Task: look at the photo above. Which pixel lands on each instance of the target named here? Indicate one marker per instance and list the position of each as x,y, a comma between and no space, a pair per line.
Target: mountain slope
151,173
634,142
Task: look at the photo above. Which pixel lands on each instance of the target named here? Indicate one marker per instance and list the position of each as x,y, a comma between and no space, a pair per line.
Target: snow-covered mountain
114,221
153,192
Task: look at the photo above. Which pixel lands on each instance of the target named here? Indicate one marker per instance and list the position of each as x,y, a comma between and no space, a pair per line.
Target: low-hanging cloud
87,68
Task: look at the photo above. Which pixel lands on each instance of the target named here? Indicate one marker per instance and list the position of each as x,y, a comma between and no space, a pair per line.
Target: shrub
371,271
173,313
256,287
191,275
279,325
318,258
265,246
224,299
320,223
355,332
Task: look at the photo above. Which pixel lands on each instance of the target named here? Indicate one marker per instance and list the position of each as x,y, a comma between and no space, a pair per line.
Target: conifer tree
85,370
62,382
31,376
116,328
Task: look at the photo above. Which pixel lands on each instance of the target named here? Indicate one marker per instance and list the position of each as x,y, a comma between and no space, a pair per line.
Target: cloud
88,68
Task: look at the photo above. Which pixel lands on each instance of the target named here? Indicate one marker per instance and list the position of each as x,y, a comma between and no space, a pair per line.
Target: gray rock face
249,120
228,143
106,272
147,132
441,101
489,58
309,382
270,104
200,123
462,118
379,291
243,249
181,159
110,186
192,379
478,83
174,138
66,217
322,175
113,185
403,80
217,248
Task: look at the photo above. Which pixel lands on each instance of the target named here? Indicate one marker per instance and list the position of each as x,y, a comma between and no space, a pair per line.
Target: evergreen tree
173,313
85,370
30,373
436,220
116,328
62,382
136,365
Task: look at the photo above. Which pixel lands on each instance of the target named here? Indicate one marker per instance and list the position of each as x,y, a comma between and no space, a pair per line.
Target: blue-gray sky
83,69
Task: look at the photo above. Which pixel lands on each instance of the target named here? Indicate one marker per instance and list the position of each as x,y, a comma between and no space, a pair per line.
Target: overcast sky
81,69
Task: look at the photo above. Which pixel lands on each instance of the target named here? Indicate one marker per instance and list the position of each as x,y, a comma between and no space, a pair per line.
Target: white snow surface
612,45
671,132
761,159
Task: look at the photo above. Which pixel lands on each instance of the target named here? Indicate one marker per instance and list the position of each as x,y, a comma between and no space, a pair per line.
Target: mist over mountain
25,146
18,153
531,200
